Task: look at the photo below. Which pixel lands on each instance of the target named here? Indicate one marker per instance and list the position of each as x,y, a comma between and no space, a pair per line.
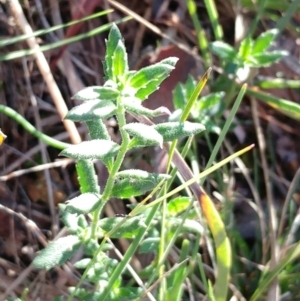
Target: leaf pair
139,84
252,53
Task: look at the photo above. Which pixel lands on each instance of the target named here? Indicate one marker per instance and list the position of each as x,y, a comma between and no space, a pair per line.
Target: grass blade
40,32
21,53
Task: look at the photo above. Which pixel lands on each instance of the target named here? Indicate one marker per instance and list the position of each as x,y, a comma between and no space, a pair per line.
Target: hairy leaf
178,205
189,226
91,110
95,149
57,252
70,220
267,58
264,41
223,50
149,245
148,79
143,134
175,130
128,229
136,182
113,39
133,105
97,92
83,204
119,62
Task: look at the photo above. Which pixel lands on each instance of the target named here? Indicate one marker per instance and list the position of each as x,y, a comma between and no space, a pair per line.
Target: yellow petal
2,137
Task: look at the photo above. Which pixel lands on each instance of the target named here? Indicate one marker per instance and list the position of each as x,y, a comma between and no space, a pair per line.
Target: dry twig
44,68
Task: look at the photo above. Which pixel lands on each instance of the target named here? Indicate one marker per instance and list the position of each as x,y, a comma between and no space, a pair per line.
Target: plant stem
116,166
200,32
213,16
31,129
129,253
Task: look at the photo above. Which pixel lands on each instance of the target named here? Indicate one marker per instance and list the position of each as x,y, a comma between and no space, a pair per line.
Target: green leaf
189,226
143,134
148,79
178,205
82,222
223,50
149,245
175,130
69,220
83,204
91,110
135,182
209,105
285,106
291,254
190,86
139,174
92,246
95,149
57,252
195,95
146,74
133,105
87,177
83,263
129,228
267,58
245,49
97,129
222,245
113,39
119,62
179,96
97,92
264,41
128,293
210,100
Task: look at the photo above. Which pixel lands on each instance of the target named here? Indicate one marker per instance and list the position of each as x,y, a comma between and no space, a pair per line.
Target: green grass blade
289,12
285,106
258,16
290,256
195,95
277,83
226,127
214,19
188,109
202,175
21,53
40,32
222,245
201,35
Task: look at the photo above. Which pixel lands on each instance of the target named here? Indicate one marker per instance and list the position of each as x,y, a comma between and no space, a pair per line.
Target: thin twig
44,68
260,211
50,194
35,149
30,225
41,167
133,273
273,293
